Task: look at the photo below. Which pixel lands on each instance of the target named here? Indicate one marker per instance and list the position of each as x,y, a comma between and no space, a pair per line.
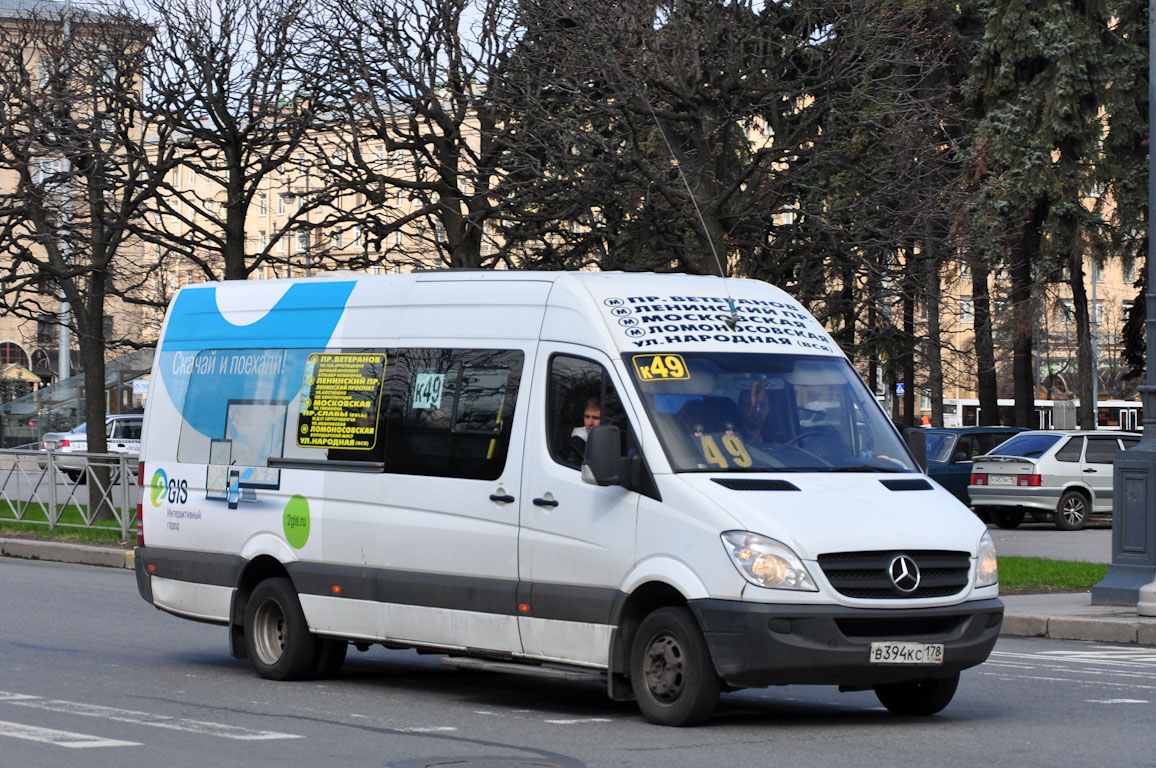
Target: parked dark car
950,451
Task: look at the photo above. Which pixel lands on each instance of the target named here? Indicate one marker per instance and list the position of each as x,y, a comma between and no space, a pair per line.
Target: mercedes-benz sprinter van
674,484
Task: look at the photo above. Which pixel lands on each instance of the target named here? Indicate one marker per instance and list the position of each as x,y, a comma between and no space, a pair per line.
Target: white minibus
675,485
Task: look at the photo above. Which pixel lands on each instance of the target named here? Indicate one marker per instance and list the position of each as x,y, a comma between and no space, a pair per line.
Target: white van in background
399,460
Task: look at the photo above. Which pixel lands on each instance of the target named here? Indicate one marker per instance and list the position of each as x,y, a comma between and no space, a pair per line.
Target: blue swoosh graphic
302,321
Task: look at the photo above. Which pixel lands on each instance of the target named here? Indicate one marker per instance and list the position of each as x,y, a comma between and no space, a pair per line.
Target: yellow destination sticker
660,367
341,396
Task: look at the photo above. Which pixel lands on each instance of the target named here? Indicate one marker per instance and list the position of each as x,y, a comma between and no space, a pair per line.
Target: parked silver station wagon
1061,477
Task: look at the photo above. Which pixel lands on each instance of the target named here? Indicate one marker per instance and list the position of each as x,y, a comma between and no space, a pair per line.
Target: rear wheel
922,698
1007,518
1072,511
671,672
277,638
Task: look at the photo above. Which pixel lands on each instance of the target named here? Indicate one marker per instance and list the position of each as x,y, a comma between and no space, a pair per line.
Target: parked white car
1062,477
123,436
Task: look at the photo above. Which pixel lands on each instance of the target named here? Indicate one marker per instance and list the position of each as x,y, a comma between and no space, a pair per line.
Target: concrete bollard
1147,604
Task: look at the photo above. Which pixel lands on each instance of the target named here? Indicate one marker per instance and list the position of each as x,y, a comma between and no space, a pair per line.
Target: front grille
894,628
864,574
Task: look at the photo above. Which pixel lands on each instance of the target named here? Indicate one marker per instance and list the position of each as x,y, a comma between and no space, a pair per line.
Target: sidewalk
1063,616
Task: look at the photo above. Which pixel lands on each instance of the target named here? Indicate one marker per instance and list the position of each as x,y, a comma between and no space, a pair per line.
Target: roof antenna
733,320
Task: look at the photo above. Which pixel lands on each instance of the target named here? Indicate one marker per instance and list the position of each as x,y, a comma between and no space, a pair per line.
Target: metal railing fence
69,490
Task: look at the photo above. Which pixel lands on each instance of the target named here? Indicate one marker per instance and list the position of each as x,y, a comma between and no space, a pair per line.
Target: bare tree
226,78
422,140
72,147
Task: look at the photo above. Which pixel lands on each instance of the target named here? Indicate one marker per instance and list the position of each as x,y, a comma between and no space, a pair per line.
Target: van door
577,540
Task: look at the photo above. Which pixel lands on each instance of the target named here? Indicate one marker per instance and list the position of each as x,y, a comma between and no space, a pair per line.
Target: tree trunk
986,387
1024,253
1085,362
932,350
910,282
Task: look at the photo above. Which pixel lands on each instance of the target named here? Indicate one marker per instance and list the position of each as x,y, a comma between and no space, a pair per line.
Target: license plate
896,652
1001,480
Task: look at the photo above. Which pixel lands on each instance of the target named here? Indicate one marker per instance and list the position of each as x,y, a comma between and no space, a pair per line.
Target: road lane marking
59,738
581,720
150,719
1116,701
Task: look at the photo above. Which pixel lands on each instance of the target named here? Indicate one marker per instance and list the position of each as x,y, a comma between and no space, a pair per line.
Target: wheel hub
664,668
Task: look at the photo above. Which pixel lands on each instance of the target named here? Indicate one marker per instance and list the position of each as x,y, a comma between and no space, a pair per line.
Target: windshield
736,412
1026,445
939,445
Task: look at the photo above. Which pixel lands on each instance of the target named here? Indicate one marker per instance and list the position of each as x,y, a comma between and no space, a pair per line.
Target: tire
277,638
671,672
1007,518
330,656
1072,511
923,698
76,475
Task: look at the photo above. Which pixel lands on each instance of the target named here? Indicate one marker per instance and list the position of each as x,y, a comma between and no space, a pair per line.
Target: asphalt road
93,676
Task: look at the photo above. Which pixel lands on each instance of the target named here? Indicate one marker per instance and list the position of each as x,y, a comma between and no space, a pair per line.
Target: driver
755,407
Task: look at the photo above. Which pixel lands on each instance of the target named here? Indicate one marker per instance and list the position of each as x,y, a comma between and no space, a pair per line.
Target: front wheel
277,638
923,698
1007,518
671,672
1072,511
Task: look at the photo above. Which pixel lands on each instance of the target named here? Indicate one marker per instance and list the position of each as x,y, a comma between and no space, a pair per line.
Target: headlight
767,563
986,569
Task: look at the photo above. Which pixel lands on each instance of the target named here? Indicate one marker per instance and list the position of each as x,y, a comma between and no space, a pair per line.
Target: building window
280,247
398,238
302,240
439,233
263,205
966,310
281,204
262,241
338,238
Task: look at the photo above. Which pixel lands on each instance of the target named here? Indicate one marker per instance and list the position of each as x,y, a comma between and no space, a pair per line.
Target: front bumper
759,644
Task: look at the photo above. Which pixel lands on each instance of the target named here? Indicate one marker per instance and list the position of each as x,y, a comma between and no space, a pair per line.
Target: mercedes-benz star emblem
904,574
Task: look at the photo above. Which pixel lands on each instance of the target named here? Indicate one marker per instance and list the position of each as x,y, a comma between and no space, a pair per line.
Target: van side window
581,396
450,411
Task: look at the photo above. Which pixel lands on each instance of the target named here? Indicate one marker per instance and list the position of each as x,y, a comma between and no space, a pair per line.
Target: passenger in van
591,418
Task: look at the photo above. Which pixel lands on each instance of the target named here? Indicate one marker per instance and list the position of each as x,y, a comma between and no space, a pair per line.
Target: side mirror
959,457
917,443
602,464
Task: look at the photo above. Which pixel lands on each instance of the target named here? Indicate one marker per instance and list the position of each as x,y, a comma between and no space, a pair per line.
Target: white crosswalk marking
59,738
150,719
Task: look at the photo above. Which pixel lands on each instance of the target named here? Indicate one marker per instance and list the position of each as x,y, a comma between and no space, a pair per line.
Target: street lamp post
1134,474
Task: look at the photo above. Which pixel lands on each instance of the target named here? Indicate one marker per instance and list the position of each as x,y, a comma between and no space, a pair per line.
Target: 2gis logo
162,489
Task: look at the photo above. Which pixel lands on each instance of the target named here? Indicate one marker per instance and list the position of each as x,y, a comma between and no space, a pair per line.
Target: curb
1127,630
80,554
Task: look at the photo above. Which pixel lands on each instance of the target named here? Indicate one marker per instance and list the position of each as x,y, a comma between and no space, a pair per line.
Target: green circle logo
159,487
295,521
